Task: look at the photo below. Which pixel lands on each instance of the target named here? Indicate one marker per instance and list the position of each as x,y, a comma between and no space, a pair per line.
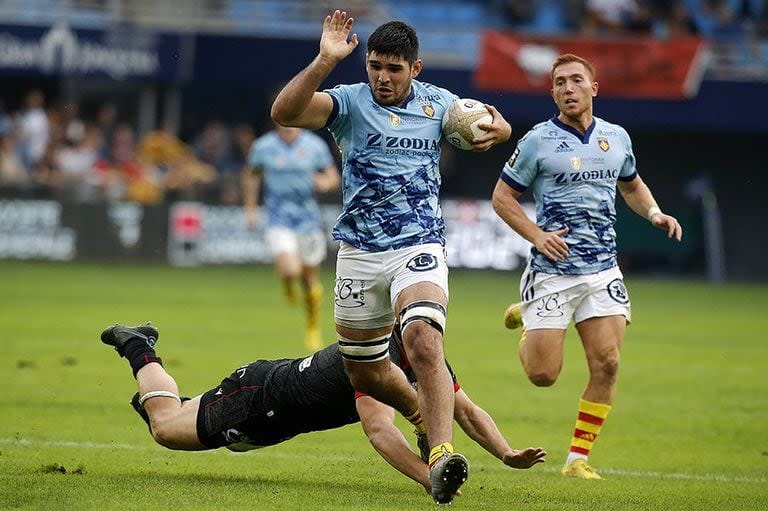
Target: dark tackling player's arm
480,427
378,423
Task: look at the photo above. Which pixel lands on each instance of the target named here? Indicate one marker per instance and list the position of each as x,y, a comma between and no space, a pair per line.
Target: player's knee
543,378
606,367
164,435
422,324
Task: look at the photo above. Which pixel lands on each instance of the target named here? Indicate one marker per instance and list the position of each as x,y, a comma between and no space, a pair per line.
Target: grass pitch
689,429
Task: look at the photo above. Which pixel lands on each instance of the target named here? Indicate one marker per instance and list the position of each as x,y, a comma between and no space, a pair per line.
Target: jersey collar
584,138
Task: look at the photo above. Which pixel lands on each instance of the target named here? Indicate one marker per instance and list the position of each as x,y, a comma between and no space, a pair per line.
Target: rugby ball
461,119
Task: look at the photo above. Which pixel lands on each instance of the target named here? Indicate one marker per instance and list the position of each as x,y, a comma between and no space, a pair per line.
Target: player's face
573,89
390,77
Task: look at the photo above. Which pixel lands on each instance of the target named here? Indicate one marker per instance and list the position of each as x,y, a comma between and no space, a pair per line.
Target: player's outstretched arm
378,423
298,103
481,428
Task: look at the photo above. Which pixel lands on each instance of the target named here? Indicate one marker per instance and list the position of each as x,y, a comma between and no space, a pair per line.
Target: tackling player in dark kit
270,401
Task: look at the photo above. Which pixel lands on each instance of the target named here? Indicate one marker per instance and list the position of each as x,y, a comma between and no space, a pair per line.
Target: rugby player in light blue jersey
293,164
391,259
573,164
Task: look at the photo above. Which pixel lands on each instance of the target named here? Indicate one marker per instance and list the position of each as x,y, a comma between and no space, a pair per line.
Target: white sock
573,456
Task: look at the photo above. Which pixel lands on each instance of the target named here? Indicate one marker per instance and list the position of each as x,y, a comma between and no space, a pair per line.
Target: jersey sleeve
256,156
521,168
628,170
323,156
342,102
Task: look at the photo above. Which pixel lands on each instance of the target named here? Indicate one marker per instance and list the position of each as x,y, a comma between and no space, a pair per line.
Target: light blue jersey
289,186
390,159
574,184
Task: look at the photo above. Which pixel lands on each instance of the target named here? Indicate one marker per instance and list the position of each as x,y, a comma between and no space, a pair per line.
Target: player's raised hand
525,458
669,224
496,132
336,43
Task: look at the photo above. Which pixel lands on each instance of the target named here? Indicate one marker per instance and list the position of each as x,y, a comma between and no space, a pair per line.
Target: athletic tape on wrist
654,210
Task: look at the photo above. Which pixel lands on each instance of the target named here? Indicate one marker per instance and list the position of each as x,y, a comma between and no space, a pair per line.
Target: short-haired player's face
573,89
390,77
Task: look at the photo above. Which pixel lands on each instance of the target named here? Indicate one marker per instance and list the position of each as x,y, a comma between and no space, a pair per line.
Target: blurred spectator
615,17
214,147
34,129
106,121
673,18
185,177
12,171
75,176
124,174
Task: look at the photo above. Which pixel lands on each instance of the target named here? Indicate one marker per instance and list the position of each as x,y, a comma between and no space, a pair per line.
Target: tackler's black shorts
235,408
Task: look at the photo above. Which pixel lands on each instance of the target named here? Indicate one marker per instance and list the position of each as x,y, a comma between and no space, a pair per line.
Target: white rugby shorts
368,283
310,247
552,301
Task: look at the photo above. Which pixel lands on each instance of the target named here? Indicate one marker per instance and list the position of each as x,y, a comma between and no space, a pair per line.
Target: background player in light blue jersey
573,164
391,259
293,164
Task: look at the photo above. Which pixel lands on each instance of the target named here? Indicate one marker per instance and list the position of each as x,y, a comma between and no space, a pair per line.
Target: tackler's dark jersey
270,401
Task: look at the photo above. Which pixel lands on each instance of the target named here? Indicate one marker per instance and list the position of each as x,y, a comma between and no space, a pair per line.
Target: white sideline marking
276,454
673,475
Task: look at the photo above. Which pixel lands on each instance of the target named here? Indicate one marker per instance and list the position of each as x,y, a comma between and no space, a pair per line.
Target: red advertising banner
630,68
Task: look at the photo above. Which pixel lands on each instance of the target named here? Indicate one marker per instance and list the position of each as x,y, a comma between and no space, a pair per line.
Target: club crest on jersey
422,262
603,144
618,292
394,120
428,109
575,162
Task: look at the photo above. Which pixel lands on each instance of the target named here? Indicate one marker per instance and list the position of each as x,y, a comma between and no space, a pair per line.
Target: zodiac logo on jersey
394,120
428,108
422,262
349,294
602,142
618,292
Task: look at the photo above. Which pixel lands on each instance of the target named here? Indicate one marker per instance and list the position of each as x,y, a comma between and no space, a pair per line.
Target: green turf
689,429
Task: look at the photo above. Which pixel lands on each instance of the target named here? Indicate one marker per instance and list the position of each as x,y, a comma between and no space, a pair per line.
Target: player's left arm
639,198
378,423
481,428
497,132
327,179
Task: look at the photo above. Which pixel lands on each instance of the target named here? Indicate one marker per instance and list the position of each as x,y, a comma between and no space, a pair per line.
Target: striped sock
314,299
439,451
588,425
415,419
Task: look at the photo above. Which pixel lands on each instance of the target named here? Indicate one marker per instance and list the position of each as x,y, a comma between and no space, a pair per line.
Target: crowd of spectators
717,19
51,150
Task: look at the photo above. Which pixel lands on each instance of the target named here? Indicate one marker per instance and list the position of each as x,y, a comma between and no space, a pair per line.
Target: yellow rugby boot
580,470
513,318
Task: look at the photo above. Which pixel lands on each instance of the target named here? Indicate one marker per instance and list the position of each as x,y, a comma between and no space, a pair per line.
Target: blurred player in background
293,164
270,401
391,260
573,163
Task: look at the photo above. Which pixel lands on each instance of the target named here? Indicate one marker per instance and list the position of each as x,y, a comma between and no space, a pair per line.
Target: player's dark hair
395,39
